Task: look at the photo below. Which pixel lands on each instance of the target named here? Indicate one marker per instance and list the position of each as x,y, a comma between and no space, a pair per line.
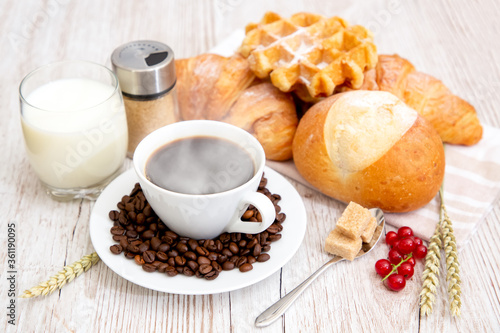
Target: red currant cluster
405,248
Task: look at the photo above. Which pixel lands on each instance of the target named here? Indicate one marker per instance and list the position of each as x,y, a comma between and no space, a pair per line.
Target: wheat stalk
66,275
431,272
452,264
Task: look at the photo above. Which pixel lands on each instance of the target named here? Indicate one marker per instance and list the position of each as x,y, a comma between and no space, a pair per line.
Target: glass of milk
74,127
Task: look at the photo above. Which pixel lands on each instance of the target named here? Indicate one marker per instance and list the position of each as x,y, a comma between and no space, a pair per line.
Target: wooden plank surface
456,41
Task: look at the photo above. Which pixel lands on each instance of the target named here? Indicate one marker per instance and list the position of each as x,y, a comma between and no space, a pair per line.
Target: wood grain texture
455,41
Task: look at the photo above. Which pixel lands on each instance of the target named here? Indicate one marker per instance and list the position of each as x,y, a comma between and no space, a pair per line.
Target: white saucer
281,251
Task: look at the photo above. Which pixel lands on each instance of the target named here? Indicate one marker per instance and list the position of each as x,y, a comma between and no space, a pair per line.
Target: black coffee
200,165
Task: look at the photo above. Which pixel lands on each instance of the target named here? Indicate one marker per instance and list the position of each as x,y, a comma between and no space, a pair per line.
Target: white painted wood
456,41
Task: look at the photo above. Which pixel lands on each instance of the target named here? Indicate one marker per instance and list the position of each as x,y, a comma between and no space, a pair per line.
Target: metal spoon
278,309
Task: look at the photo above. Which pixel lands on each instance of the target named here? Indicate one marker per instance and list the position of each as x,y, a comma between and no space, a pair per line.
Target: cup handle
263,205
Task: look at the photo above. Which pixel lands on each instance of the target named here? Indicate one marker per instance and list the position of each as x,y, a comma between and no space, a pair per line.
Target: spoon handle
277,309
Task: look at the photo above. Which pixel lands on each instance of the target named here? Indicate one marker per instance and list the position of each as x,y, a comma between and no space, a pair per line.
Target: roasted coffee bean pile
140,235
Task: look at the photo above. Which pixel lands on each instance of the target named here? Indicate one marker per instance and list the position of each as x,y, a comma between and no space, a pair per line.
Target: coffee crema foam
200,165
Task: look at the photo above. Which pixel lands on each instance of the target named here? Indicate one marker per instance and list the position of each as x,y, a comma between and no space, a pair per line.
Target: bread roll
371,148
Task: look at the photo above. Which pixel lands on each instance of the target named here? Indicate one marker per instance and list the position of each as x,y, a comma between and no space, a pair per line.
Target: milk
75,132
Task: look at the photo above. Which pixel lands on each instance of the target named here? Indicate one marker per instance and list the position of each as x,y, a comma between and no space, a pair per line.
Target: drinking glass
74,127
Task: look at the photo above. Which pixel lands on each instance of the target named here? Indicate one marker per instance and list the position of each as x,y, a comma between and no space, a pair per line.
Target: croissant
219,88
454,119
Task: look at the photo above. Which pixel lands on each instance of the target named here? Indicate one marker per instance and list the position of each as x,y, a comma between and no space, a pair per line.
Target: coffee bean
221,259
190,255
140,228
162,256
203,261
116,230
205,269
149,256
193,244
225,238
193,265
149,268
156,263
274,238
162,267
257,249
132,234
263,257
147,211
129,255
187,271
251,259
180,261
182,247
164,247
266,248
139,260
116,249
132,216
118,238
171,271
132,248
259,217
213,256
155,243
202,251
129,207
233,248
167,240
233,259
113,215
171,261
244,252
242,243
153,227
148,234
235,237
124,243
135,242
281,217
211,275
273,229
143,247
252,243
216,266
173,253
171,235
248,214
246,267
227,253
241,261
228,265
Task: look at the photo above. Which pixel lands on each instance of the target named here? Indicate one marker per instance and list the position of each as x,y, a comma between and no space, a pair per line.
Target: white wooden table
456,41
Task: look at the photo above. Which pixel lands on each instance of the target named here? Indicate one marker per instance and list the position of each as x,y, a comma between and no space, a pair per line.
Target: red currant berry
406,270
395,244
383,267
395,257
420,252
417,241
390,238
406,246
405,232
411,261
396,282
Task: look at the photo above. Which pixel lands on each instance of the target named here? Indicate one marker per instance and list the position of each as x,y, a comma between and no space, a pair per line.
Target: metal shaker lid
144,67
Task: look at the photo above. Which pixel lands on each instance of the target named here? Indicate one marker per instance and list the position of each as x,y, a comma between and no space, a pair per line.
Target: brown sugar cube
367,234
354,220
340,245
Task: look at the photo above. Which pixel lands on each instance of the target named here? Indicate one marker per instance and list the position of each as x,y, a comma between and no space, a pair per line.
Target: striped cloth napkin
471,184
471,187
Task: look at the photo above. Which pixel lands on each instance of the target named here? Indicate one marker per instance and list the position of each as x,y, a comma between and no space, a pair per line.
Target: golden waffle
309,53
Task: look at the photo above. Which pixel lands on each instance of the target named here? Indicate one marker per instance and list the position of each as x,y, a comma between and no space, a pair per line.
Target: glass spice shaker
146,72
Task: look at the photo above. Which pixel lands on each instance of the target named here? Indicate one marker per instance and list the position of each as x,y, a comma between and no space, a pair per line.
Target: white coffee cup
205,216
